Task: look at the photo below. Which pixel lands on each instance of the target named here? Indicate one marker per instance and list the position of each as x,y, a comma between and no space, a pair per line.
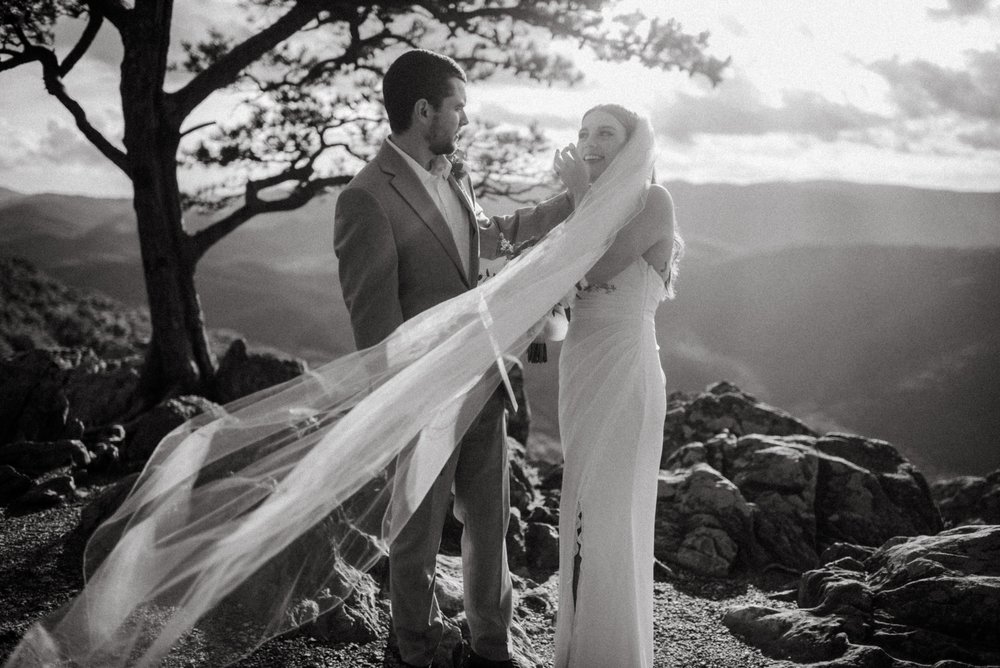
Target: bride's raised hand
572,171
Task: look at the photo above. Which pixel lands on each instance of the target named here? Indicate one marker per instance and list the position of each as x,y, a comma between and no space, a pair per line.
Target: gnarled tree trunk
179,359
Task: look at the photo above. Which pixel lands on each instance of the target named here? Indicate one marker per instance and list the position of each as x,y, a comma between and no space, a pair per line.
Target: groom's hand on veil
572,171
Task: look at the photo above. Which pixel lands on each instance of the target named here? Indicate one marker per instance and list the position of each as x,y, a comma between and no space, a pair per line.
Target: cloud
497,113
986,137
961,9
59,145
921,88
731,24
736,108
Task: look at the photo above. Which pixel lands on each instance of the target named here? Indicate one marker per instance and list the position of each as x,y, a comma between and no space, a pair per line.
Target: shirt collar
440,166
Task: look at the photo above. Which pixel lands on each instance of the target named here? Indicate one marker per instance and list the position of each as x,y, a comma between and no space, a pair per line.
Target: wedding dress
612,404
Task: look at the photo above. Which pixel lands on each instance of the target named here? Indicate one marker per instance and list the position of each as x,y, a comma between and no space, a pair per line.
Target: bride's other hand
572,171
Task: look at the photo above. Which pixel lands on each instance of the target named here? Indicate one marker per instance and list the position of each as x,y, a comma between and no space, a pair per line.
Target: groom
408,235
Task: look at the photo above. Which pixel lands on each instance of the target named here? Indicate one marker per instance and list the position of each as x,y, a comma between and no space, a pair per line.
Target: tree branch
52,77
116,11
227,69
109,150
94,21
201,241
17,59
195,128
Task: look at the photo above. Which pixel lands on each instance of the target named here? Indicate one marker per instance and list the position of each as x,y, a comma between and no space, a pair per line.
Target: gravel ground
39,570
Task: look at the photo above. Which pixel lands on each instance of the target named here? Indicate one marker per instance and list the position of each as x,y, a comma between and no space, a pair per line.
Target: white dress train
612,403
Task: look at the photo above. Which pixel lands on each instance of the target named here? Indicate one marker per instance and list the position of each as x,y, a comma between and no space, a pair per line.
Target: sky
882,91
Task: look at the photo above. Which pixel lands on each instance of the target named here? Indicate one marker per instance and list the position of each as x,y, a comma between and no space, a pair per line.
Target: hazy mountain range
858,307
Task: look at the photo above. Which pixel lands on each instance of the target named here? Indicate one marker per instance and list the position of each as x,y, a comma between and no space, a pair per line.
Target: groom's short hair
417,75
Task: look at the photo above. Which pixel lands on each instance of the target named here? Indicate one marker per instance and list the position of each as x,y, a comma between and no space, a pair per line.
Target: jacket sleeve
368,266
523,224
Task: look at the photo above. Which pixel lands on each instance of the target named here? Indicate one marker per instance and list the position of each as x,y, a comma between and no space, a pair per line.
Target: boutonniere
458,168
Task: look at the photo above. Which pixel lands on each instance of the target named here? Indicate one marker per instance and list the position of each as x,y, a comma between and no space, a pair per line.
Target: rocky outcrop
703,523
912,602
47,493
777,501
968,499
13,483
242,373
449,588
722,407
34,458
532,536
61,393
149,430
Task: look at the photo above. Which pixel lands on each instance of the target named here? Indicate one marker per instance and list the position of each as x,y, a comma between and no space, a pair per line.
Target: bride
252,521
612,404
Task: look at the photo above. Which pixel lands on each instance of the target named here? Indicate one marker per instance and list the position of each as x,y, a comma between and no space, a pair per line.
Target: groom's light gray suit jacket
397,255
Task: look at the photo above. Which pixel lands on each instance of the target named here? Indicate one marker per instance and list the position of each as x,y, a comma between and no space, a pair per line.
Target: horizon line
765,182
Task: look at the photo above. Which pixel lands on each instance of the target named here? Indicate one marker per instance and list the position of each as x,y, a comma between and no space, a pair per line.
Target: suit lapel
409,187
470,214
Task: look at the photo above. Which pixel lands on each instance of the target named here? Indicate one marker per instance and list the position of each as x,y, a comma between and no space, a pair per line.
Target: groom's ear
422,110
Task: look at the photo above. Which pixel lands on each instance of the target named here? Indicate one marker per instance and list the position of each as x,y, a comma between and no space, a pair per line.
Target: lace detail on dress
578,548
577,551
604,288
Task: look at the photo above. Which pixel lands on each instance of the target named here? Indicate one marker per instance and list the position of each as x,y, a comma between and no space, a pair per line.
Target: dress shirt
446,200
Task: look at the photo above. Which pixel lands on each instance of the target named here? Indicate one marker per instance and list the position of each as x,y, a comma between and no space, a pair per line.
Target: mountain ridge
918,313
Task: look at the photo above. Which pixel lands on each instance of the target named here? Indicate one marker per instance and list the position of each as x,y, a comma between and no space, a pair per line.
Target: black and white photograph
499,334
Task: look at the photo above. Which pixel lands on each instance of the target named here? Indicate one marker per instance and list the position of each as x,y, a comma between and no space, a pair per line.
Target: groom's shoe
391,659
473,660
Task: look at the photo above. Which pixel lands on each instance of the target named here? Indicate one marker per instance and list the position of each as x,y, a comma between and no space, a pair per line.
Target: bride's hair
630,120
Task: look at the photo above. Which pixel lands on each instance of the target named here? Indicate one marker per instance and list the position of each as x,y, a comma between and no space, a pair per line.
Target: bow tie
440,167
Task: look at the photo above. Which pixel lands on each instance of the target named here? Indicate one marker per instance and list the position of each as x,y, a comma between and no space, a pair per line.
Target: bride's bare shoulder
658,212
659,201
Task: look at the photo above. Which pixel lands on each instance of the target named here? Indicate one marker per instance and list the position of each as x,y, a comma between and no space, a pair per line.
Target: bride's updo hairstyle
629,120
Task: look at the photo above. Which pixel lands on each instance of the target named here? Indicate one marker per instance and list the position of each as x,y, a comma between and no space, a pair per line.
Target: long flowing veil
246,524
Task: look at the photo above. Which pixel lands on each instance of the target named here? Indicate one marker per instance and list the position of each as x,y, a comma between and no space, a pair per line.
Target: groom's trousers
478,469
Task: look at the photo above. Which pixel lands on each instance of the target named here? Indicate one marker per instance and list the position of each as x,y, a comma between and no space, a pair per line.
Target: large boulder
242,373
41,457
968,499
149,430
523,477
703,523
542,546
356,619
865,505
913,602
722,407
778,501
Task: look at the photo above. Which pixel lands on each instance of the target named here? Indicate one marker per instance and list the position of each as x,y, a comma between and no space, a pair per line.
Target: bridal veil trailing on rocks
247,524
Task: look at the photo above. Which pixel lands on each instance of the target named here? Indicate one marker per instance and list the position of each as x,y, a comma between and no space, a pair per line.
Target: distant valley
855,307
